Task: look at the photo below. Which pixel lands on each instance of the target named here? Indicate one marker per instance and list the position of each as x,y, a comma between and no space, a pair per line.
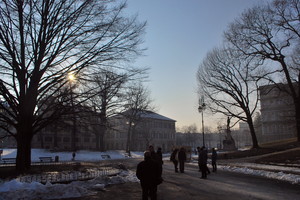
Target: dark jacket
160,157
202,158
181,155
214,156
148,172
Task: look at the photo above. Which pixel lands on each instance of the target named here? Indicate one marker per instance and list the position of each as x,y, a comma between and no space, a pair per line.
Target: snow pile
292,178
15,189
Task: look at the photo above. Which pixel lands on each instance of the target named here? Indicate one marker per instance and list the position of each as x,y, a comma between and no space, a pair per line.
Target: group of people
149,171
202,161
179,156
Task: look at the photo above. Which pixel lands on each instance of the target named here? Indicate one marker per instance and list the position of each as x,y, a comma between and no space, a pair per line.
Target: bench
105,156
9,160
46,159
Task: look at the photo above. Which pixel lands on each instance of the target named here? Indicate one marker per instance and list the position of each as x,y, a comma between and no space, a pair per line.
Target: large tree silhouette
226,80
41,42
272,33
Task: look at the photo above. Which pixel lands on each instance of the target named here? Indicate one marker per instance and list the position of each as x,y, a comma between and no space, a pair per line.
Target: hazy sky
179,33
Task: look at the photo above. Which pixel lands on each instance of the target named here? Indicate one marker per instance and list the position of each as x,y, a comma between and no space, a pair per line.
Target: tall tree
137,104
106,101
41,43
106,96
272,33
225,79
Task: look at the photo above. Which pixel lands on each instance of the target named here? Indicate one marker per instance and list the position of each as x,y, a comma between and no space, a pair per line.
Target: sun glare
71,77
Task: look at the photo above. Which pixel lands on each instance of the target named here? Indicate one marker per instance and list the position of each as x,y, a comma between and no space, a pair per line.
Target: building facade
69,133
151,129
277,113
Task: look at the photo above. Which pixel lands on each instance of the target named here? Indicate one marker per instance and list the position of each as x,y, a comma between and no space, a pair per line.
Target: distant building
59,135
277,113
152,128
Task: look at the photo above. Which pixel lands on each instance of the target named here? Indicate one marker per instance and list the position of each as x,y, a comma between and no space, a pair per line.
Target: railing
63,177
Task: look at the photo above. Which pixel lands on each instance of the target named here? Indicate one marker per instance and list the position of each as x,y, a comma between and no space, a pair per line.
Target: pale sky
178,36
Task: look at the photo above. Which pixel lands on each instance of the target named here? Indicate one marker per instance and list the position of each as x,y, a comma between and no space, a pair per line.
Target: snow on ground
14,189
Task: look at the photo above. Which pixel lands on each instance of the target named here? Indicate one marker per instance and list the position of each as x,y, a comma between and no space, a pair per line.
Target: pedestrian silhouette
214,159
148,172
174,159
202,161
182,159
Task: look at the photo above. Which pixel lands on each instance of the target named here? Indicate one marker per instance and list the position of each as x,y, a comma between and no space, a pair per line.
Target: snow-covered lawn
18,189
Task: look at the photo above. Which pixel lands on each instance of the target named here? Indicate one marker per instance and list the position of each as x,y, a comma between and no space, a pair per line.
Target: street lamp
201,108
129,137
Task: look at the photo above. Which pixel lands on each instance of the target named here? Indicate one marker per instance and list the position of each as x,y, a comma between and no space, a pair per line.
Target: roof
153,115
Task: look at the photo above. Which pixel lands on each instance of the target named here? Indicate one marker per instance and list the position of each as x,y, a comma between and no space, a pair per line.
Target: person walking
148,173
155,157
205,152
152,152
202,161
182,159
174,159
159,155
198,150
214,159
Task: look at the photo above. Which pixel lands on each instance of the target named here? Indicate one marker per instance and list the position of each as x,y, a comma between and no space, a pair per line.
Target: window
48,139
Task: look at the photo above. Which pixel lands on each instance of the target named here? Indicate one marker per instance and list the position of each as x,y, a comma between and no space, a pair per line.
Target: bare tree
106,101
192,137
271,32
41,43
137,103
225,79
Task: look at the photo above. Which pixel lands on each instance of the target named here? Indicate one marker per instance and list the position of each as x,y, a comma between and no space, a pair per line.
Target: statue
228,143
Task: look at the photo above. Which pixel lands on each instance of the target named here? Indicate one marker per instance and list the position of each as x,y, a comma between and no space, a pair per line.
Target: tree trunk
97,141
128,139
23,160
253,134
101,139
297,110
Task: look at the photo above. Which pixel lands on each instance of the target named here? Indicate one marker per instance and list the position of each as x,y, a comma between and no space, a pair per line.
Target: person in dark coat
198,150
214,159
152,152
148,173
174,159
155,156
159,156
202,161
207,169
182,159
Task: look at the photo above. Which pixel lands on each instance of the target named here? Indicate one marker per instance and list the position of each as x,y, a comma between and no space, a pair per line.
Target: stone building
66,135
277,113
151,128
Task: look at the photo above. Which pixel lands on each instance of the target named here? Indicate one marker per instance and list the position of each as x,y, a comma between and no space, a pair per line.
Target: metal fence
63,177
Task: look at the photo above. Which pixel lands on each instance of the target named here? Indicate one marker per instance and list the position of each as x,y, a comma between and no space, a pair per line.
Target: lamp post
201,108
129,137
